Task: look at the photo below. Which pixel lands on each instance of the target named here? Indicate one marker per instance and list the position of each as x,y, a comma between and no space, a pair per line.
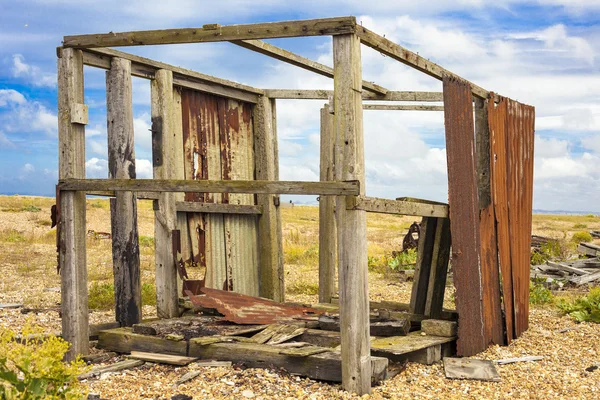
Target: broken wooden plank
324,366
398,345
161,358
270,30
123,340
119,366
320,338
581,280
398,327
567,268
186,378
286,333
465,368
436,327
386,206
589,249
10,305
518,359
304,351
347,188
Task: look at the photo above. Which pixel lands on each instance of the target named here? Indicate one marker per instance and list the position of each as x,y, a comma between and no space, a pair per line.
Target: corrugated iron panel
243,309
464,214
520,184
497,115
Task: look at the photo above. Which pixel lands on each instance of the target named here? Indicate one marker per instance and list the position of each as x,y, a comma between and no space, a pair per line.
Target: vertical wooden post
269,223
351,224
163,159
123,208
71,164
439,269
425,253
327,231
179,173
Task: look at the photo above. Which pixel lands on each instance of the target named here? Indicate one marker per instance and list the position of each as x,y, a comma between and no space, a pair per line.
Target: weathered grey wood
410,58
418,298
386,206
79,114
465,368
437,327
123,208
225,186
351,224
123,340
270,251
567,268
324,366
320,94
119,366
395,306
218,208
395,107
179,173
165,215
299,61
327,230
72,223
588,250
216,33
10,305
518,359
146,68
439,269
161,358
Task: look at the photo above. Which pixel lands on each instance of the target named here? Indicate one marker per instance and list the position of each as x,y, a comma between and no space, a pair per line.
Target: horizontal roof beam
411,59
326,94
287,56
402,107
145,68
216,33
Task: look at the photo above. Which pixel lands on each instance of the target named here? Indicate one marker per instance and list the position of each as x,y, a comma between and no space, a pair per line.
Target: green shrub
585,308
403,260
581,236
146,241
97,204
12,236
538,258
32,208
102,295
539,294
148,294
34,368
556,249
579,226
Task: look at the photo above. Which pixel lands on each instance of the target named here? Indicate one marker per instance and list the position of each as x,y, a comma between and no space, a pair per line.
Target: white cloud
5,142
96,147
32,73
592,143
142,131
143,169
96,168
22,115
10,97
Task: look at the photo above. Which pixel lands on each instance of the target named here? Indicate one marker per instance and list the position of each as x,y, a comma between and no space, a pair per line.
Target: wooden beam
216,33
351,224
299,61
410,58
217,208
72,224
123,208
319,94
327,229
425,253
142,67
386,206
349,188
165,215
270,244
439,269
394,107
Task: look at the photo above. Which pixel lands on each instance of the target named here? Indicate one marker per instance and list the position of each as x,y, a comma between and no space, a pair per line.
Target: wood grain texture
402,207
326,94
351,224
165,217
269,224
72,224
439,269
123,208
312,27
425,251
464,214
327,224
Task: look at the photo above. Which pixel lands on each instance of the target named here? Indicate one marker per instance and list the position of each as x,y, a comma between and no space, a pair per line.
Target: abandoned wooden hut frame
490,176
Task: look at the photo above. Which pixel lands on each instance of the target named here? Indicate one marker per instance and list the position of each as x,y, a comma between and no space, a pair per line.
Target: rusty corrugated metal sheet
249,310
499,186
520,137
464,214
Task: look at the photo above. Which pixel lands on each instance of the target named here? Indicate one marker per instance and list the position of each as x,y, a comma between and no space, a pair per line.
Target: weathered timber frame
490,184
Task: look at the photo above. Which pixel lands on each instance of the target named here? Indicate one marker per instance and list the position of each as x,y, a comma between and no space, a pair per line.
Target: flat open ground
28,268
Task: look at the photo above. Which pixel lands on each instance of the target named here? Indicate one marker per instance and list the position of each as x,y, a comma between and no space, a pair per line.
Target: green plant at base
403,260
585,308
148,294
539,294
34,368
581,236
32,208
146,241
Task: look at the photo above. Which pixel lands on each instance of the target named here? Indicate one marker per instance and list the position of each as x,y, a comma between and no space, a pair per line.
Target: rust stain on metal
176,249
192,286
249,310
464,214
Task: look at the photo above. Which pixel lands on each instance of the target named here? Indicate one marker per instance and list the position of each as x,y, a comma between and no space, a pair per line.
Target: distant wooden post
165,214
71,164
351,224
327,231
123,208
269,223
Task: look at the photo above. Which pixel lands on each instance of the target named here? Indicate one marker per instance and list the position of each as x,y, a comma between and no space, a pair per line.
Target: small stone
249,394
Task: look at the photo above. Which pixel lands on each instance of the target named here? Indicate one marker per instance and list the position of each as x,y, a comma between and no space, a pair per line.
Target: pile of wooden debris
577,272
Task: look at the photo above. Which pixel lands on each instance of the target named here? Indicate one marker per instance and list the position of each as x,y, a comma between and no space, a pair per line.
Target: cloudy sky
543,53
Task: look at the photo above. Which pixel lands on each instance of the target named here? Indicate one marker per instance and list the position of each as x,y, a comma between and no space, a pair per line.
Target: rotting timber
216,200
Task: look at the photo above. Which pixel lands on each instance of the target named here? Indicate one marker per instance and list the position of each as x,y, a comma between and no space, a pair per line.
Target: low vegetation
583,309
102,295
581,237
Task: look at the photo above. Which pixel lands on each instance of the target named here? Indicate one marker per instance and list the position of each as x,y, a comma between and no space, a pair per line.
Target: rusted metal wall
218,144
464,214
490,215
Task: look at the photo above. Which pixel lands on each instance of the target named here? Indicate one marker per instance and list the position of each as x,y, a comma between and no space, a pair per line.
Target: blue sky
543,53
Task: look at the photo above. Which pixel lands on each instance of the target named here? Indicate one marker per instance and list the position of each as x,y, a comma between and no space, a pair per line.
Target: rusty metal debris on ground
249,310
